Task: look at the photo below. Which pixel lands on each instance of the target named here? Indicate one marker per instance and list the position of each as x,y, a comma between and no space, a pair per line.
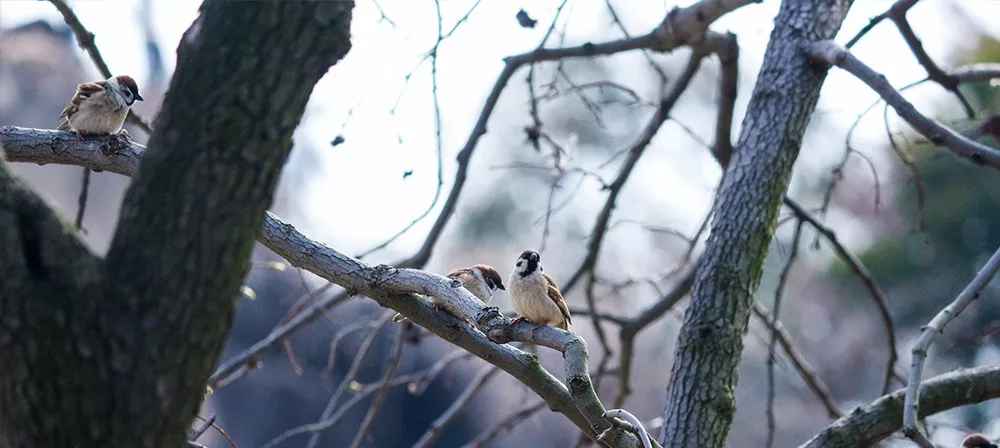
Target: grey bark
116,352
869,424
700,394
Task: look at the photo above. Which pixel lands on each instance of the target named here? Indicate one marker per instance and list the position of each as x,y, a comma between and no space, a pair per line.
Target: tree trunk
701,390
116,352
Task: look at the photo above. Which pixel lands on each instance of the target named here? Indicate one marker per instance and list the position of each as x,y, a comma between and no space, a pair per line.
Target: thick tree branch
828,52
869,424
927,336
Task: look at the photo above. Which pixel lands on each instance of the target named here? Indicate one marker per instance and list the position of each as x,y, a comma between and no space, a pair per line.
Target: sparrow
100,107
535,295
977,441
482,280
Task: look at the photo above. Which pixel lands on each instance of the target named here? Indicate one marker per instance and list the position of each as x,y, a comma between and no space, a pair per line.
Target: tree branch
433,433
927,336
897,13
869,424
859,269
802,366
828,52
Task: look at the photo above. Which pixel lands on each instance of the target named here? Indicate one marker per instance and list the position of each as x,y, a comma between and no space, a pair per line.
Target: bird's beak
501,287
138,97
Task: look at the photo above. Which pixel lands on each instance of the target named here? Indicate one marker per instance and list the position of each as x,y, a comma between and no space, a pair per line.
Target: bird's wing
83,91
491,275
557,298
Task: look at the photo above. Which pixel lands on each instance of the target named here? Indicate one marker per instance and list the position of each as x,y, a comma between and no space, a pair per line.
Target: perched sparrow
535,295
481,280
977,441
100,107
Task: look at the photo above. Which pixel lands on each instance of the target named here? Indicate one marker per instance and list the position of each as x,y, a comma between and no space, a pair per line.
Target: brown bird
482,280
977,441
535,295
100,107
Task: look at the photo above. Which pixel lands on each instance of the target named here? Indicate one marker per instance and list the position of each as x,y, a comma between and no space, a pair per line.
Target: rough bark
870,423
116,352
701,390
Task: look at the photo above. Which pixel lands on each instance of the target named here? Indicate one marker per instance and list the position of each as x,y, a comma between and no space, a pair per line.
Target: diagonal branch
433,433
869,424
859,269
390,287
927,336
897,13
828,52
802,366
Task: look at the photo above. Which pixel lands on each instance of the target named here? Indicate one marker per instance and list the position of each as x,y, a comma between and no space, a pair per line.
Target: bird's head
527,263
490,276
127,88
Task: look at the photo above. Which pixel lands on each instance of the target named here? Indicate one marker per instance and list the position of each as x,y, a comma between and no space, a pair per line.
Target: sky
379,97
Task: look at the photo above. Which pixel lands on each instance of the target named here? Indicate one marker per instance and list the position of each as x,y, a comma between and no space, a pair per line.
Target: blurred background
365,165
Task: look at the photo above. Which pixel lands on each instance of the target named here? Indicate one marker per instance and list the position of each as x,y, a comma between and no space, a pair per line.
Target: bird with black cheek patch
977,441
100,107
535,295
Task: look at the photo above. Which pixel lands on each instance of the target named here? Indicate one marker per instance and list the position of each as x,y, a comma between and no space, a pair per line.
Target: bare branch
859,269
830,53
249,357
433,433
897,13
802,366
779,293
869,424
927,336
487,437
390,371
352,373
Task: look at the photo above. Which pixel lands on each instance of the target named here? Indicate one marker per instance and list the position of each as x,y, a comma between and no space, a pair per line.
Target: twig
897,13
911,166
81,202
218,429
802,366
830,53
927,336
859,269
433,433
390,371
331,360
248,357
439,150
352,372
485,438
779,293
645,53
